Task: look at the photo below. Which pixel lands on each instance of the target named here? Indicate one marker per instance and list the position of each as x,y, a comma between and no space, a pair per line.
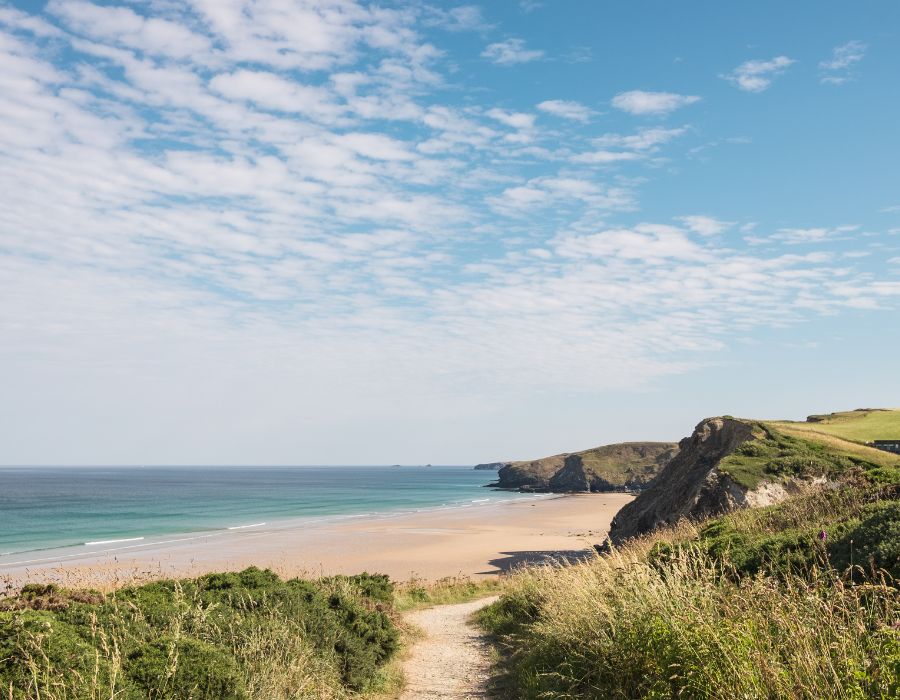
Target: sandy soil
481,540
452,661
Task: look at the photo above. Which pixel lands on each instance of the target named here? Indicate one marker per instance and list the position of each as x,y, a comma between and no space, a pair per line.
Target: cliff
627,466
729,463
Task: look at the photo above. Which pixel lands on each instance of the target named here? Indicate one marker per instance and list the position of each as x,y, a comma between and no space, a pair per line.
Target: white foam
244,527
127,539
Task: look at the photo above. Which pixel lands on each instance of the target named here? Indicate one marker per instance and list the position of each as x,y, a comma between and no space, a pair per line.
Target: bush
172,669
234,635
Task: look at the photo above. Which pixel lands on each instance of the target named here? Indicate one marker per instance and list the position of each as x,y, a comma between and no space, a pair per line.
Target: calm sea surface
50,507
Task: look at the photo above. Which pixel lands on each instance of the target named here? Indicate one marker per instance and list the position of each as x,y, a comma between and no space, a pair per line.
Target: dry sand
476,541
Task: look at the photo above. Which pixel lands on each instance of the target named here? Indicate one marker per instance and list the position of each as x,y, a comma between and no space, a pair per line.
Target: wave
243,527
127,539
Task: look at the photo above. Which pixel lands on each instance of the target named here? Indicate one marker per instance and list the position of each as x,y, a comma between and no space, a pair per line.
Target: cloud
757,76
456,19
839,69
795,236
510,52
567,109
641,102
650,243
705,225
517,120
644,139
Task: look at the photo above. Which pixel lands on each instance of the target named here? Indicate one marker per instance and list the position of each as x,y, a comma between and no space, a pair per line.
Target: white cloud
566,109
270,91
757,76
650,243
812,235
844,58
641,102
705,225
456,19
517,120
605,157
510,52
644,139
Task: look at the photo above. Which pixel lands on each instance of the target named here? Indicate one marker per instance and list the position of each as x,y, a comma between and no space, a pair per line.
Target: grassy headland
794,600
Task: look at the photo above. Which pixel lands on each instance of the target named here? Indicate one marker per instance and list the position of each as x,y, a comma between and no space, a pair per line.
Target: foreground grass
723,611
231,636
419,593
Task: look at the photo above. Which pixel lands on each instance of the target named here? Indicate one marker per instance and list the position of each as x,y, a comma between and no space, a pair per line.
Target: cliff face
627,466
690,485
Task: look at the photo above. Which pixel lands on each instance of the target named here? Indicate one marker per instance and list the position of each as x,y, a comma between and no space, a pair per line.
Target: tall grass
622,627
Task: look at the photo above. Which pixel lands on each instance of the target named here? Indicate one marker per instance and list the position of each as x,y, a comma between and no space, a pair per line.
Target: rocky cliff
627,466
729,463
690,485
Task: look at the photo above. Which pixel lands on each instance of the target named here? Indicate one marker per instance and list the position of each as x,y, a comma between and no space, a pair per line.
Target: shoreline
474,539
74,550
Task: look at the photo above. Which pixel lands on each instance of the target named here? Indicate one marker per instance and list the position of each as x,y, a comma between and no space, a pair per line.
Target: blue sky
291,231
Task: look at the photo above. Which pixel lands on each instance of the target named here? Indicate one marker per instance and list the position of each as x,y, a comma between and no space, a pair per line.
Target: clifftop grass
862,425
779,451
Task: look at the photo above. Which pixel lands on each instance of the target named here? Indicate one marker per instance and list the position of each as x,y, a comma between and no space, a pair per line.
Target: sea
49,508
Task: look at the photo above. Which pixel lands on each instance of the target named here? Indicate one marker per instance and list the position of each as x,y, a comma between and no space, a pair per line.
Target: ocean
45,508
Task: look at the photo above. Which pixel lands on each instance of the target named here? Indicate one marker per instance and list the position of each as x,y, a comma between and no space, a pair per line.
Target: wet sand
475,541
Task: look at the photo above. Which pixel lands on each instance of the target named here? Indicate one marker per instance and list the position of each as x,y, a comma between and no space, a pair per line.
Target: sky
339,232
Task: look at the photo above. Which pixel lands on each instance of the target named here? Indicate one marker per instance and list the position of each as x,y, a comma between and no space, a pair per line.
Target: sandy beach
476,541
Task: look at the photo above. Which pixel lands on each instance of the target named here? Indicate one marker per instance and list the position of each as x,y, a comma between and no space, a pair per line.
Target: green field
863,425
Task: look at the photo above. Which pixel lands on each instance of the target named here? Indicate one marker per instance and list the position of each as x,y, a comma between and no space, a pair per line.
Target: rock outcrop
627,466
690,485
489,466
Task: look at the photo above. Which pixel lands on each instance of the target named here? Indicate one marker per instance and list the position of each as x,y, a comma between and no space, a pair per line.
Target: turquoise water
51,507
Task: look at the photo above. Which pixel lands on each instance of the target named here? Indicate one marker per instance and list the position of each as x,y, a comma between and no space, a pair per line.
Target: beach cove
477,540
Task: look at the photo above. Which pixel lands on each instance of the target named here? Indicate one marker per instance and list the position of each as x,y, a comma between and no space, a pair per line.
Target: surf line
244,527
128,539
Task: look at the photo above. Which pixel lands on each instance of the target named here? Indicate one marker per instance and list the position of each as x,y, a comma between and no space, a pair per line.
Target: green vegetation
862,425
416,593
776,453
798,600
232,636
635,624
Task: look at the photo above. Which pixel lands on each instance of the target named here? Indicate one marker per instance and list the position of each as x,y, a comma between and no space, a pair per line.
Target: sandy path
452,661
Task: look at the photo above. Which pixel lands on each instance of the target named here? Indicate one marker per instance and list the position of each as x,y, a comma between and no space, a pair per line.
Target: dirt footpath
451,661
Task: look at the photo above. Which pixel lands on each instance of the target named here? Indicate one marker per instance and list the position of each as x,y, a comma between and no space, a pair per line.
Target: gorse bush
223,636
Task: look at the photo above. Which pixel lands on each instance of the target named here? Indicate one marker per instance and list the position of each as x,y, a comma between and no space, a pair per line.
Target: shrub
234,635
173,669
